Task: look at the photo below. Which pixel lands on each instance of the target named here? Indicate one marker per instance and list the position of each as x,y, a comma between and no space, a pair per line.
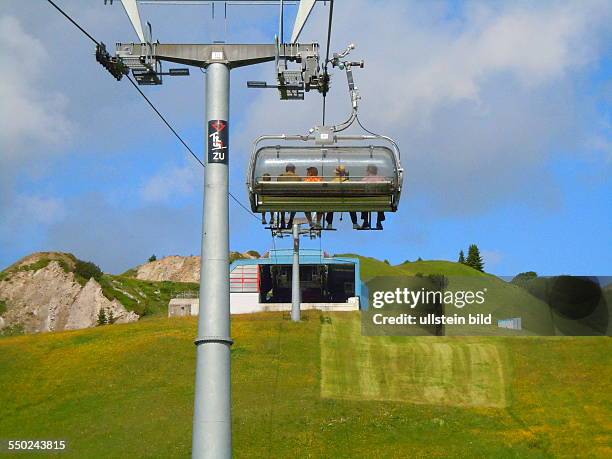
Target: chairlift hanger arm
347,66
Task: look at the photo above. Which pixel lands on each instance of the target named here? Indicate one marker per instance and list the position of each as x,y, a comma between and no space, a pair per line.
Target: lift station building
264,284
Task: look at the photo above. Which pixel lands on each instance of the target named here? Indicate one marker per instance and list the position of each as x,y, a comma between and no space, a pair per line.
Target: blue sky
502,111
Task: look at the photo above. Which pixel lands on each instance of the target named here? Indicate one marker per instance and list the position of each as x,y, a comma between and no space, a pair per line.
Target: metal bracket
144,59
293,83
114,65
324,135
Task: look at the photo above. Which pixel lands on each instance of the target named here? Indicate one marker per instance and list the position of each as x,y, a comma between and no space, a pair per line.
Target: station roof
307,256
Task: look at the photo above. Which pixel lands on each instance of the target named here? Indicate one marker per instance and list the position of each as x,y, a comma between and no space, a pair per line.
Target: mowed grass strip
429,370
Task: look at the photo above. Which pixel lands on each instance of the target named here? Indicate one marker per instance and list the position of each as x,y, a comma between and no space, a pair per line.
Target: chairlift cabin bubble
304,173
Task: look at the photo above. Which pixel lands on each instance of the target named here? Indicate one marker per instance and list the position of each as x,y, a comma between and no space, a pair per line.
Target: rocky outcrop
87,305
50,299
39,299
179,269
173,268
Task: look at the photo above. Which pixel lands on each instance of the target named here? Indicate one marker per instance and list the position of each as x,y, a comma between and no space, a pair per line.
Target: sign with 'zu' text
218,135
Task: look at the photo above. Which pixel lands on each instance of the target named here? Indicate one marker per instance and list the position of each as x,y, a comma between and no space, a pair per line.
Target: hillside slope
51,291
313,389
43,292
503,300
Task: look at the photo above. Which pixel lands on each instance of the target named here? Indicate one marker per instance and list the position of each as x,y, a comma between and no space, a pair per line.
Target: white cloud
27,211
33,128
117,239
40,209
601,141
33,120
478,102
426,65
172,183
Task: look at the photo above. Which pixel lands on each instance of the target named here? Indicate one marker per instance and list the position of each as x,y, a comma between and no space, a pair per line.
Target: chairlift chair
357,190
355,173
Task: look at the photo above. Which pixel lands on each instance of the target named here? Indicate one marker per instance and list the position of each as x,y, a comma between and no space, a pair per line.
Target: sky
502,111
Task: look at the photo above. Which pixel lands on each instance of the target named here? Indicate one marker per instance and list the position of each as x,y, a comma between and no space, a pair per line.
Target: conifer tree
474,259
461,258
102,320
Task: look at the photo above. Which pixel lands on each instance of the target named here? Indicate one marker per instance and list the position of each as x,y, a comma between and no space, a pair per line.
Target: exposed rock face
50,299
39,300
88,303
173,268
176,268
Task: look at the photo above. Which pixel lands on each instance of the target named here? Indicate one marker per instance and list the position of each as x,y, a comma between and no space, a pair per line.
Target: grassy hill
313,389
447,268
503,300
372,267
144,297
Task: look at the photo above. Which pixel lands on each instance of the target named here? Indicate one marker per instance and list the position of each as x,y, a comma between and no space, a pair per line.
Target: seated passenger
266,178
341,175
312,175
288,176
372,176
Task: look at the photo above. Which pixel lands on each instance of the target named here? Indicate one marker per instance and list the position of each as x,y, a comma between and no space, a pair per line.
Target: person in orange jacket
312,175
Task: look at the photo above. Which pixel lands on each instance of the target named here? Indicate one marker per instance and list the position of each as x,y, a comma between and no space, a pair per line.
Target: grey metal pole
296,297
212,430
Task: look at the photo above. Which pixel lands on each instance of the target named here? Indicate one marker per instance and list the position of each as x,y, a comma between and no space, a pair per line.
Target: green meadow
313,389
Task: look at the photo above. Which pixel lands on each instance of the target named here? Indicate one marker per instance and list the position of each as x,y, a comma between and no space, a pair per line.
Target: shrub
522,278
87,270
130,272
12,330
40,264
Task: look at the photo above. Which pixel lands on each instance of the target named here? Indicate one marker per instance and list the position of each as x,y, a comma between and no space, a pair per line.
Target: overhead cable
176,134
